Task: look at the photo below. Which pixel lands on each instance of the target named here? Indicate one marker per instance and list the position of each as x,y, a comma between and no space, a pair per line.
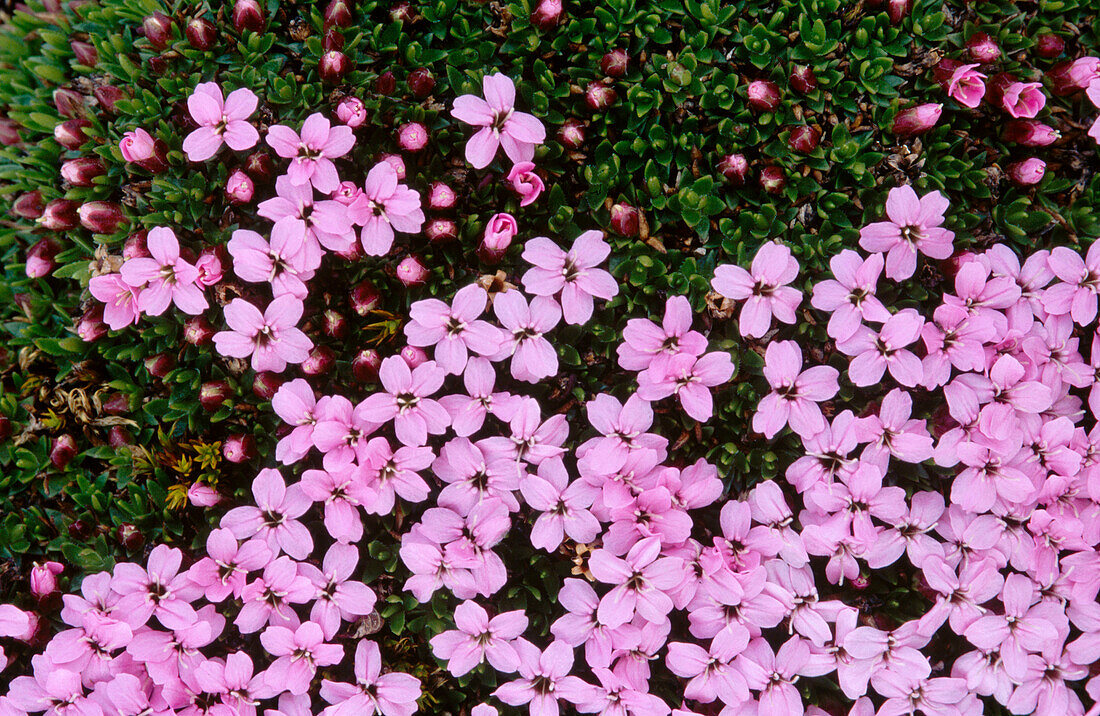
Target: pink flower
285,263
892,432
532,440
573,273
966,87
271,337
312,153
388,472
712,672
764,290
851,297
239,187
533,357
453,330
468,412
324,223
795,393
209,266
1076,295
525,182
545,679
165,278
220,121
234,680
499,232
773,674
962,593
873,353
501,125
471,476
641,582
385,206
915,225
392,694
643,339
406,401
120,300
341,488
564,509
351,112
1023,99
300,652
224,569
688,378
136,145
274,519
478,637
43,581
295,403
268,600
159,591
1025,627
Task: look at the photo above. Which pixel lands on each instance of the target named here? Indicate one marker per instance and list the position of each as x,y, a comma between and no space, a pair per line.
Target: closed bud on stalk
70,133
772,179
69,103
333,40
441,231
499,232
82,171
116,404
259,166
101,217
80,530
201,33
441,196
338,13
411,271
412,137
40,259
85,53
982,48
351,112
802,79
917,120
364,298
60,215
334,324
157,64
735,168
119,436
158,30
197,331
1048,45
266,384
897,10
546,14
763,95
320,360
239,187
624,219
248,15
600,95
201,495
615,63
386,84
29,205
1030,133
108,96
239,448
9,132
159,364
63,451
421,83
1029,171
571,133
365,365
129,537
136,246
43,579
91,327
413,356
334,65
804,139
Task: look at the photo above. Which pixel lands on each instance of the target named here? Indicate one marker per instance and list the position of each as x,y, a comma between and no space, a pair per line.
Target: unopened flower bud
347,192
351,112
916,120
412,137
421,82
70,133
136,246
69,104
364,298
44,579
158,365
137,145
201,495
248,15
9,132
80,530
320,360
101,217
259,166
60,215
772,179
338,13
599,96
624,219
334,65
802,79
546,14
210,267
239,448
158,30
91,327
5,427
333,40
29,205
571,133
763,95
334,324
615,63
239,187
197,331
266,384
1048,45
440,231
804,139
130,537
1073,76
63,451
386,84
411,271
82,171
735,168
365,365
413,356
1029,171
982,48
85,53
107,96
499,232
201,33
116,404
119,436
40,259
398,164
897,10
441,196
1030,133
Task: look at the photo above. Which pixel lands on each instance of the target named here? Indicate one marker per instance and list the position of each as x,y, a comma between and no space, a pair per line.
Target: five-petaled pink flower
764,289
501,125
966,85
385,206
285,262
641,582
1076,295
795,392
478,637
573,273
915,225
406,401
1023,99
271,338
220,120
454,330
687,377
533,358
274,519
545,679
300,651
311,154
120,299
165,278
392,694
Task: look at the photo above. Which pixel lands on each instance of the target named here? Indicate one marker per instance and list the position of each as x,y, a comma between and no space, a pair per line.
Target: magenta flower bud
29,205
157,64
763,95
239,187
571,134
40,259
411,271
91,327
136,246
119,436
197,331
210,268
201,33
599,96
897,10
916,120
772,179
398,164
129,537
1029,171
615,63
214,393
499,232
421,82
441,231
201,495
101,217
63,451
79,530
107,96
546,14
735,168
334,324
334,65
82,171
158,30
982,48
365,365
1048,45
85,53
333,40
802,79
239,447
70,133
9,132
44,579
386,84
259,166
320,360
1073,76
347,193
412,137
441,196
1028,132
69,103
804,139
338,13
266,384
364,298
402,12
525,182
413,356
625,219
351,112
136,145
116,404
248,15
159,365
60,215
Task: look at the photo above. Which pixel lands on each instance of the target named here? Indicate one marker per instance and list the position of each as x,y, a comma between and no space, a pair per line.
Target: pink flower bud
82,171
615,63
159,365
1023,100
248,15
91,327
334,65
210,269
338,13
525,182
364,298
398,164
1048,45
197,331
70,133
259,166
266,384
116,404
1069,77
135,246
334,324
119,436
1029,171
136,145
239,187
60,215
44,578
897,10
85,53
421,82
735,168
804,139
983,49
239,447
63,451
69,103
802,79
386,84
347,193
499,232
351,112
201,33
763,95
411,271
412,137
28,205
201,495
320,360
916,120
599,96
107,96
40,259
441,197
365,365
571,134
546,14
441,231
413,356
9,132
1030,133
624,219
129,536
772,179
158,30
101,217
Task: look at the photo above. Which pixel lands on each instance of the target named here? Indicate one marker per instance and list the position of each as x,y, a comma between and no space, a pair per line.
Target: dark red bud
70,133
239,448
615,63
440,231
599,96
107,96
63,451
338,13
334,65
5,427
334,324
69,103
982,48
571,133
159,365
386,84
129,537
266,384
214,393
897,10
802,79
319,361
85,53
772,179
9,132
763,95
135,246
259,166
201,33
547,14
116,404
402,12
365,365
82,171
624,219
28,205
804,139
1048,45
80,530
197,331
248,15
364,298
735,168
119,436
333,40
158,30
101,217
60,215
421,82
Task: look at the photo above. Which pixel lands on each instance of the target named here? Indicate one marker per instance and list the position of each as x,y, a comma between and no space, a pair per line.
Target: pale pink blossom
501,125
915,226
311,154
573,274
165,278
384,207
533,357
220,120
795,392
271,338
763,288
